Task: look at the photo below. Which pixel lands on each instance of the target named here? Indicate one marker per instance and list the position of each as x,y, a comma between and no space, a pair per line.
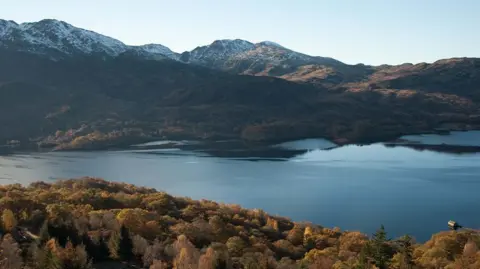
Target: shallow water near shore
352,187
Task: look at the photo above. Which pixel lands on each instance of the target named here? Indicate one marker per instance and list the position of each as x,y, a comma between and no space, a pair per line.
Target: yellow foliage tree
8,219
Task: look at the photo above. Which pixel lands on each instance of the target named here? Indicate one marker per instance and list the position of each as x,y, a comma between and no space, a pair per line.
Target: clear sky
353,31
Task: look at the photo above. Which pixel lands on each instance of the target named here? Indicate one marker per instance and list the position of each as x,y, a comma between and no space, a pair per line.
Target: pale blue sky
353,31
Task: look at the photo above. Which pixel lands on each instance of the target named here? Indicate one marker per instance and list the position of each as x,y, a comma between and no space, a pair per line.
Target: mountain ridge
102,94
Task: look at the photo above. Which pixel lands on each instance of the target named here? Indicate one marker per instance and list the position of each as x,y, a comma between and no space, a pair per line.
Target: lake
352,187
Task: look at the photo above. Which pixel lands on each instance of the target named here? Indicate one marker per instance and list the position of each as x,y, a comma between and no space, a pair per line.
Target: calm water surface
353,187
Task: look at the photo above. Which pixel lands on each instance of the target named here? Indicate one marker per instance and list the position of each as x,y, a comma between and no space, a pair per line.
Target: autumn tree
406,253
152,253
235,246
187,255
157,264
186,259
8,220
10,254
364,260
82,260
114,245
208,260
75,257
468,259
295,235
48,258
140,245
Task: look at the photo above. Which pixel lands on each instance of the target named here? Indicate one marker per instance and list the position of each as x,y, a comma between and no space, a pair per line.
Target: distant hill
65,87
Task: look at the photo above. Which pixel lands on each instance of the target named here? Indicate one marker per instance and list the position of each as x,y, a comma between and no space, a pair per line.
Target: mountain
456,76
65,87
271,59
58,39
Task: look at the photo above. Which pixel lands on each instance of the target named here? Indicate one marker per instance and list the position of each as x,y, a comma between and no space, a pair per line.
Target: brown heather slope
92,102
91,223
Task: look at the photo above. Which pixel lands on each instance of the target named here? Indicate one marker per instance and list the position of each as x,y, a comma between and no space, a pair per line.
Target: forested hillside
96,102
91,223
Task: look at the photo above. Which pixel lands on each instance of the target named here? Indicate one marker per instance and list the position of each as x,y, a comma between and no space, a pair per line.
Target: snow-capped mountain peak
6,27
270,44
68,39
232,45
156,49
59,39
219,50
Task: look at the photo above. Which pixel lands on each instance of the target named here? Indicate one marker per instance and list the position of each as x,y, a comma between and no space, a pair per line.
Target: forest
92,223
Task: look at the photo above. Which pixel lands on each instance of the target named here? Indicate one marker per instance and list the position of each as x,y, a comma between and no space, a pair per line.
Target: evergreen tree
126,245
97,250
102,252
379,248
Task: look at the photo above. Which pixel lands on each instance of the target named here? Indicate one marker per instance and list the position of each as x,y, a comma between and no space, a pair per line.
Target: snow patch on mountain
270,44
219,50
56,39
156,49
52,35
66,38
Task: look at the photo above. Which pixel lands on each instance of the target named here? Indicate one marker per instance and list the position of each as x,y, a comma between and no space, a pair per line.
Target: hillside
91,223
125,99
65,87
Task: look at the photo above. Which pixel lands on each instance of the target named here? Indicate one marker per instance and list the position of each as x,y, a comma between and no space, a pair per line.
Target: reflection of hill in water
240,150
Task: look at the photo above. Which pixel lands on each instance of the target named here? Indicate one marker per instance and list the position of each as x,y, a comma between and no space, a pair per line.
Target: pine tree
126,245
380,249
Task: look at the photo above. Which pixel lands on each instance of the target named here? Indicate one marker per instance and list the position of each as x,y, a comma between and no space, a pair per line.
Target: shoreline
222,146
